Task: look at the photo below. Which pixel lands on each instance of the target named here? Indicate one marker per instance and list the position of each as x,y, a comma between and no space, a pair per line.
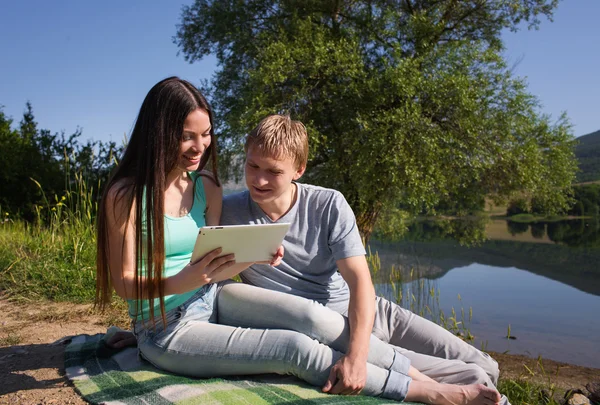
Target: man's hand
347,377
276,261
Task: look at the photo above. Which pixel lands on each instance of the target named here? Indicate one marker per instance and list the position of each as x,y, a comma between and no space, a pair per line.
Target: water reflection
546,317
574,233
565,251
543,279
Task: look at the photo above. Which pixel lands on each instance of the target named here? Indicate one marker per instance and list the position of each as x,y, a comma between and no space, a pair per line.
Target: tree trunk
365,220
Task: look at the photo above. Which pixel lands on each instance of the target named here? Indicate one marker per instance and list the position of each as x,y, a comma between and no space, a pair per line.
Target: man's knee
490,366
473,374
391,321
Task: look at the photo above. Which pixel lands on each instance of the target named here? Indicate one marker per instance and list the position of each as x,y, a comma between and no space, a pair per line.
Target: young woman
150,214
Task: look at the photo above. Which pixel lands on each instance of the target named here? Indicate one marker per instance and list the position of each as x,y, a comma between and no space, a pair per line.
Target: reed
419,294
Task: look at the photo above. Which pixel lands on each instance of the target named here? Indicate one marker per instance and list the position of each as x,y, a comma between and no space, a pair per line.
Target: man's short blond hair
278,136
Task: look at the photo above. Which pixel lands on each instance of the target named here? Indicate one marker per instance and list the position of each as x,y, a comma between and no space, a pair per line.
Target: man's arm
348,376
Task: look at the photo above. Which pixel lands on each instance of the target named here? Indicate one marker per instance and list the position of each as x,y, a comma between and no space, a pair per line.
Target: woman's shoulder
209,181
119,200
120,188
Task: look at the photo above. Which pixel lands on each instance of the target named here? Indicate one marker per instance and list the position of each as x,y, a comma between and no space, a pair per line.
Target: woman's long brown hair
140,178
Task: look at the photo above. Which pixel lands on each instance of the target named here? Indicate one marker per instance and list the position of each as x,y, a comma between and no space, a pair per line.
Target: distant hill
588,154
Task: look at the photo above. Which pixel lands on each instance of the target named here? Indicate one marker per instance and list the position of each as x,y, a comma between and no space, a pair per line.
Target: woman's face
195,140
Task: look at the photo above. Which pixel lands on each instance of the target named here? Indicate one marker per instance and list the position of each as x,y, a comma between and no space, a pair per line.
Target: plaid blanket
107,376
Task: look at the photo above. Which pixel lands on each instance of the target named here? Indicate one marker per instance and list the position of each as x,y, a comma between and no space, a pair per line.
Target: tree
408,103
23,160
38,165
10,144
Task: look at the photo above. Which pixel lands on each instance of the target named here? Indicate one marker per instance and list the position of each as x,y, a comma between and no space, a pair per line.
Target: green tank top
180,237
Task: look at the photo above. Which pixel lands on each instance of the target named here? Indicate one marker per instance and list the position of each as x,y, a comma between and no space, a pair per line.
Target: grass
12,339
43,264
53,258
521,391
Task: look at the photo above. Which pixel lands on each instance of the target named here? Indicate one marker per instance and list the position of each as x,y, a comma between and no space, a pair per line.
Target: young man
325,261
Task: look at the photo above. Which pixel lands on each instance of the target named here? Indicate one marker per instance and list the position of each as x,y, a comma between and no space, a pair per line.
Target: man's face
267,178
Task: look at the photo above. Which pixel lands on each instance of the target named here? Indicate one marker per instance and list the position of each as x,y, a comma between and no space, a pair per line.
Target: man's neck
278,208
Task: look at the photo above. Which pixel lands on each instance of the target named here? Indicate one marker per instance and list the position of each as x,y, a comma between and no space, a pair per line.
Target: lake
539,283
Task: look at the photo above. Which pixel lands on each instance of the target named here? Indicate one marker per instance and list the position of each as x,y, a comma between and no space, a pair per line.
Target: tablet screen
249,243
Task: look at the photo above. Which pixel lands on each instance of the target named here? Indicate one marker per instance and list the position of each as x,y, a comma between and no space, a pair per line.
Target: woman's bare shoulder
209,181
120,200
120,188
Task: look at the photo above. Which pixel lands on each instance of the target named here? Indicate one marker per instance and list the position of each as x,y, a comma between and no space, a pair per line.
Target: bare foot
450,394
475,394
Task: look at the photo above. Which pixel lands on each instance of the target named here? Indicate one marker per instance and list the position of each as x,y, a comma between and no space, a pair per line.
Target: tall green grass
53,257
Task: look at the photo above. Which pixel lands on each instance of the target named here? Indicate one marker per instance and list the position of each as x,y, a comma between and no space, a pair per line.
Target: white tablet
249,243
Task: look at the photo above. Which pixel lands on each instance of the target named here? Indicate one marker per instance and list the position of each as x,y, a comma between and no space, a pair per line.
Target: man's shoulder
236,208
235,198
319,192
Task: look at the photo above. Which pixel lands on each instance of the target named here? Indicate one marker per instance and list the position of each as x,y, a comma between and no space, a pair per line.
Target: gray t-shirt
323,229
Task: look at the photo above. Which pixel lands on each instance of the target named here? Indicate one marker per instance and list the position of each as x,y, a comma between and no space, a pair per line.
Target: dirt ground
32,346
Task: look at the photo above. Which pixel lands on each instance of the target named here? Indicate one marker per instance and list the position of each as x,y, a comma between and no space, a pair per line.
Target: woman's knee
323,323
229,289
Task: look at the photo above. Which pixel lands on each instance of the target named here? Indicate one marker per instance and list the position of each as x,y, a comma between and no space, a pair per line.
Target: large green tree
408,103
38,166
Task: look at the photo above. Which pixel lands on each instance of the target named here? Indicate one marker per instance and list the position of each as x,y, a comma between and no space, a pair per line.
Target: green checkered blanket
105,376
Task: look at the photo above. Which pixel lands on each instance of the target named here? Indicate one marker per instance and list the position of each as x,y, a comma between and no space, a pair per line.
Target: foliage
522,391
54,257
466,202
588,155
391,225
467,232
517,206
37,163
587,199
407,104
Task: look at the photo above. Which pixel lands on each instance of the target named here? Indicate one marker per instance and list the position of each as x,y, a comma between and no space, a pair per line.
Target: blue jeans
237,329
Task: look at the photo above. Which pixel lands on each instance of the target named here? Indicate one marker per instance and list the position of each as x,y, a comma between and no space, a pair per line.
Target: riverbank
31,355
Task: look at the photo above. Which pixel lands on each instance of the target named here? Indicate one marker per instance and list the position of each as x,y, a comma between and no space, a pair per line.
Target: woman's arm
214,201
121,260
121,241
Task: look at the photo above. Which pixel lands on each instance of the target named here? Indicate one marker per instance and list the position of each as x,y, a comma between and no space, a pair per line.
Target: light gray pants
451,360
259,331
433,350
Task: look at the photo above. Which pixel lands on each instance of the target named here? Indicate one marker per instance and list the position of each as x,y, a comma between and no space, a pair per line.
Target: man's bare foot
474,394
435,393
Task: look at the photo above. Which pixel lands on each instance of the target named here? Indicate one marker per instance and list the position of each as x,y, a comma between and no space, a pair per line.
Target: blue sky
89,64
